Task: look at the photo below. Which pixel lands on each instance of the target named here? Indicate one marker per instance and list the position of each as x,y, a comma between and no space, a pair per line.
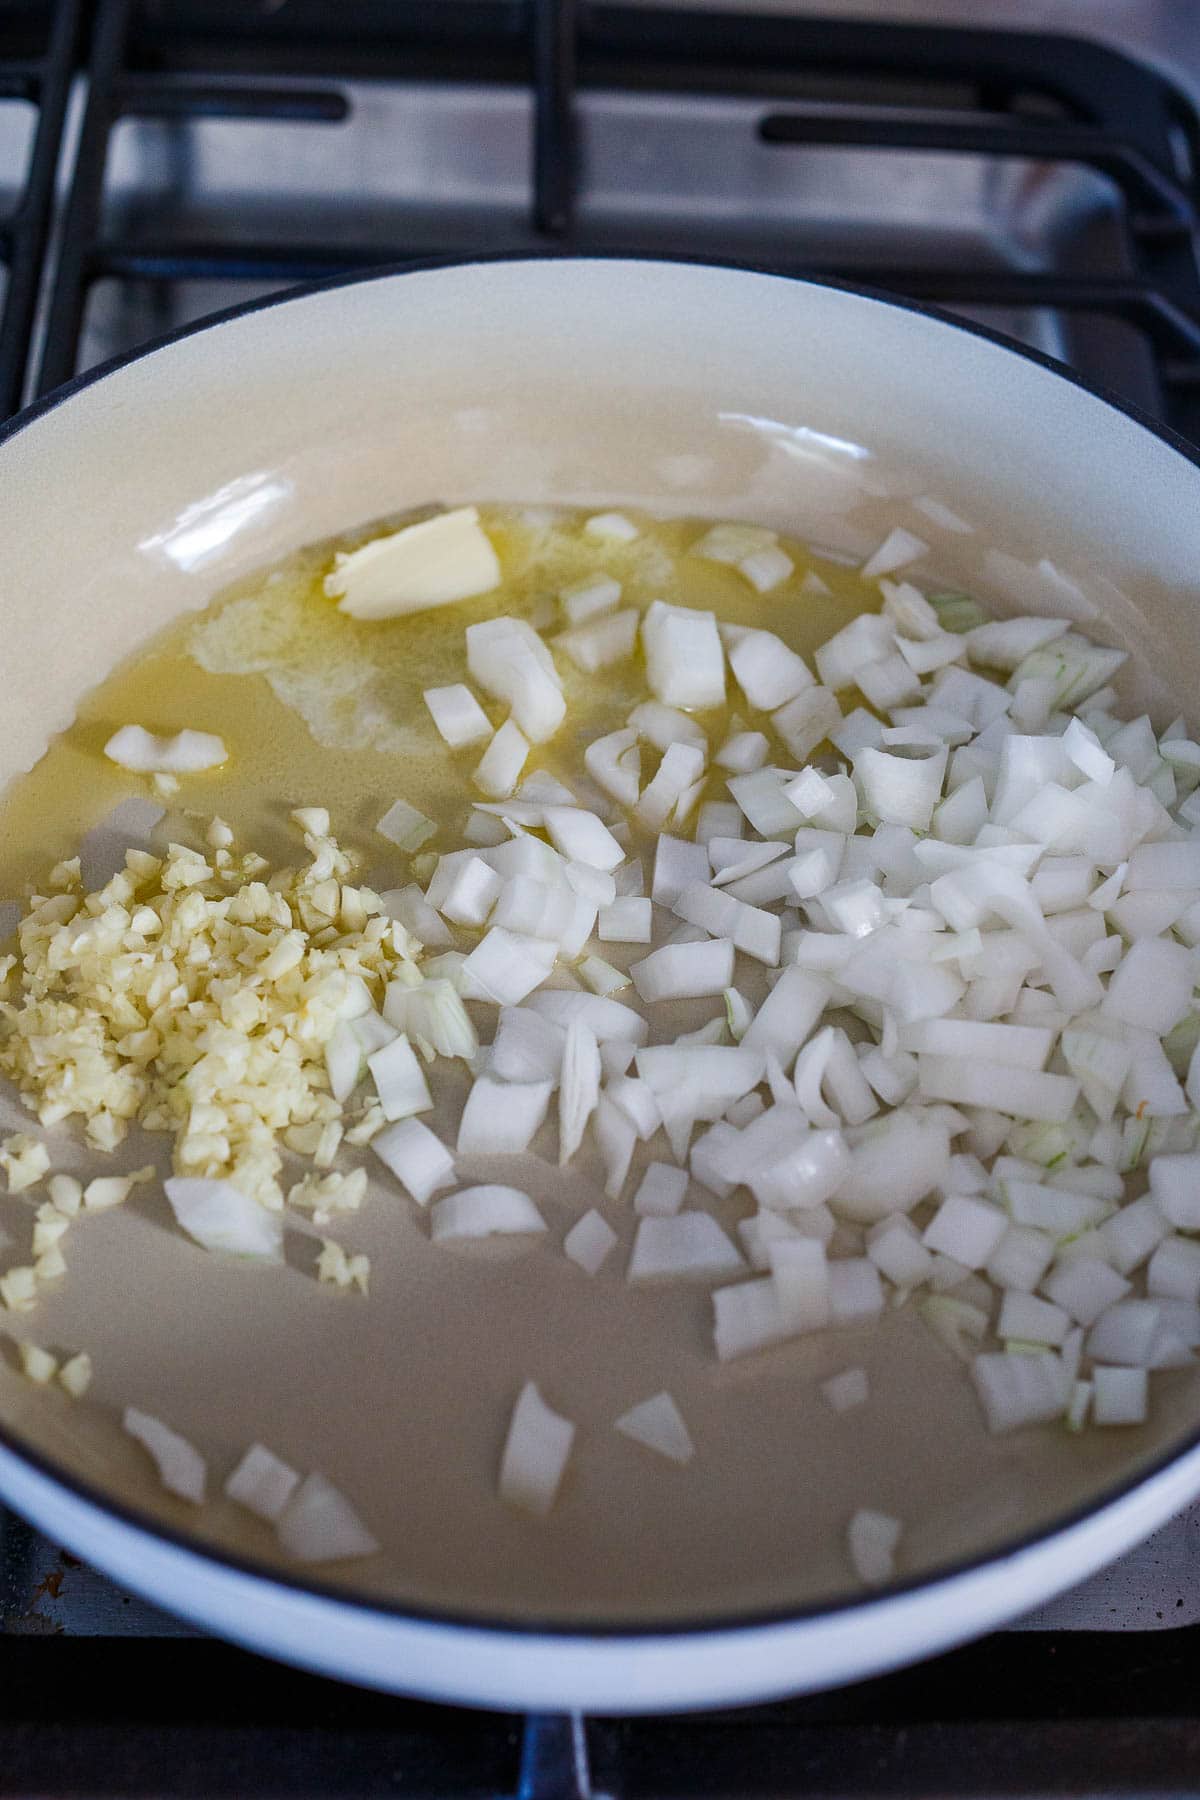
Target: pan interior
809,410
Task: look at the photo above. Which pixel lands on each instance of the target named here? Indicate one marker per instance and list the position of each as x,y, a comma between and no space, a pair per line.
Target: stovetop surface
201,152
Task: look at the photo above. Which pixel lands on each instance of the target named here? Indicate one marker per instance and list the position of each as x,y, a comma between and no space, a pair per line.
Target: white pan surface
697,390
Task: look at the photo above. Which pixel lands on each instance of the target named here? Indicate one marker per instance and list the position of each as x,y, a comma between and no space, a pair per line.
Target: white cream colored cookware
135,495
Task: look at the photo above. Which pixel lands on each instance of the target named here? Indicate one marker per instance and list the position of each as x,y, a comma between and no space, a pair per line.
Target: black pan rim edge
723,1625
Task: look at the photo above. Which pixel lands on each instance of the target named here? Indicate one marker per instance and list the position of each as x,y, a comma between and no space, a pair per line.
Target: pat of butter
443,559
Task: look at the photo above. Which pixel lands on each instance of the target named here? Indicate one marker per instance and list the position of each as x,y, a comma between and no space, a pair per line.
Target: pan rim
574,1630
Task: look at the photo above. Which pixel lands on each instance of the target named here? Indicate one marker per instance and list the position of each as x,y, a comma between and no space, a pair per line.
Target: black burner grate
1003,95
1012,1716
38,46
1023,1713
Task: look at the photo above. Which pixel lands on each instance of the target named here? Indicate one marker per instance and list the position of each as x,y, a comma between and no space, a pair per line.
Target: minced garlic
340,1270
326,1196
76,1375
24,1160
38,1364
195,994
18,1289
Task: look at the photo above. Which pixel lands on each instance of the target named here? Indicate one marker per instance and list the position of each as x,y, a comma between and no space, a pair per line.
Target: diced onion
847,1390
181,1468
416,1157
501,1118
220,1217
483,1212
535,1453
262,1483
684,971
687,1245
685,661
187,753
658,1424
457,715
404,826
589,1241
661,1191
872,1539
318,1524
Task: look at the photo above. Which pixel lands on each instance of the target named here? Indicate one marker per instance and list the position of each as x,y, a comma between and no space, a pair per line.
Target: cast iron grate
38,47
1051,1714
1013,1715
881,89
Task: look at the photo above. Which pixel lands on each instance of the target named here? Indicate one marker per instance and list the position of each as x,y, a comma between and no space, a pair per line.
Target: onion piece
486,1211
685,662
502,1118
527,1047
788,1014
847,1390
681,768
410,907
181,1468
658,1424
753,931
661,1191
262,1483
872,1539
894,1163
611,1021
416,1157
187,753
1119,1396
399,1080
802,1277
614,764
743,752
504,967
1025,1093
589,598
582,837
1152,988
805,722
768,672
535,1454
499,768
664,726
432,1011
611,526
472,893
457,715
684,971
405,827
319,1524
579,1092
1084,1288
1175,1188
509,661
600,643
678,864
687,1245
220,1217
617,1141
628,920
747,1318
711,1076
1025,1319
898,549
1005,643
589,1241
1019,1389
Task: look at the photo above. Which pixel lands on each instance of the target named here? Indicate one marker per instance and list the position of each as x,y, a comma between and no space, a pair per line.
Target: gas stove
1029,165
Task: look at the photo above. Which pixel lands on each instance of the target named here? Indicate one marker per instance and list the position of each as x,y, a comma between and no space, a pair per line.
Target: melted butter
320,709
